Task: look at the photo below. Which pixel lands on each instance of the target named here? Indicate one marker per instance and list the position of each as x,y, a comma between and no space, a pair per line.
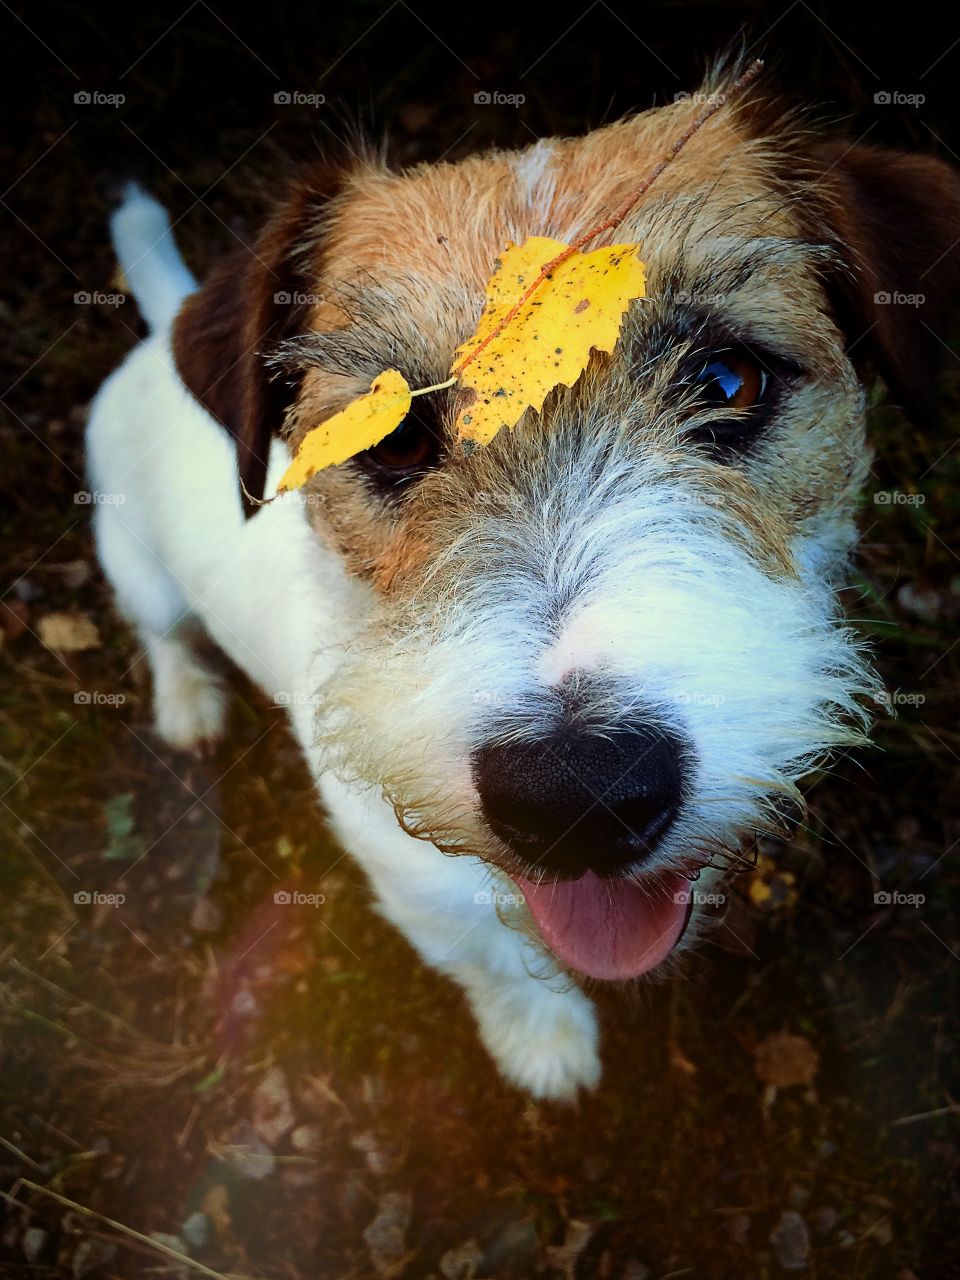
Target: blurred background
278,1091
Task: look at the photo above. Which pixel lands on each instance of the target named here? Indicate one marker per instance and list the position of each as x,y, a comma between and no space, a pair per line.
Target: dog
548,689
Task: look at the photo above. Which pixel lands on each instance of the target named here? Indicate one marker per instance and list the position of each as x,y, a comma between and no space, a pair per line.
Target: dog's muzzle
582,814
575,802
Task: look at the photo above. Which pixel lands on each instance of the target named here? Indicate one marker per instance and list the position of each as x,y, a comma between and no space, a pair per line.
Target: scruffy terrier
549,687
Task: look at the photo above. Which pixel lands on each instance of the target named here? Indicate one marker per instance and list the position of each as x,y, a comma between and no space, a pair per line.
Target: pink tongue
609,928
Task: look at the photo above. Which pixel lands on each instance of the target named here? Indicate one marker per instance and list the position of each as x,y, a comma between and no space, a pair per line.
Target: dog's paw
190,709
544,1041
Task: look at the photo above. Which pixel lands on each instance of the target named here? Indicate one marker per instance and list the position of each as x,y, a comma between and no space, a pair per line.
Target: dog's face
602,650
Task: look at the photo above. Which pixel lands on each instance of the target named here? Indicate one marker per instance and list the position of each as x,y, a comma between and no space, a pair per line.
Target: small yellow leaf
68,632
362,424
579,307
782,1060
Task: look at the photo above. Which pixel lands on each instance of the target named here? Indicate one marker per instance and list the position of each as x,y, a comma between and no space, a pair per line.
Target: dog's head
603,649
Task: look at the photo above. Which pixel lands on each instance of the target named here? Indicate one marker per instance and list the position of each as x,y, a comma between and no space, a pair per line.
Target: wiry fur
594,560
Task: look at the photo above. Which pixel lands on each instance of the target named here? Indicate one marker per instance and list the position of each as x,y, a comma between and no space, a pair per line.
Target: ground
202,1070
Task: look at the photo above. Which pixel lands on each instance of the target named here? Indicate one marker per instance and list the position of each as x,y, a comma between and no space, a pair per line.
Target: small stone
798,1197
307,1140
206,917
881,1231
197,1230
513,1249
564,1257
75,574
635,1270
244,1004
738,1228
168,1240
91,1256
825,1219
27,590
386,1235
377,1162
249,1155
463,1262
34,1242
791,1241
272,1109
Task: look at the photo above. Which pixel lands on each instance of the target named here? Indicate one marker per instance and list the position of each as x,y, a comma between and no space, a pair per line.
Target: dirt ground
199,1079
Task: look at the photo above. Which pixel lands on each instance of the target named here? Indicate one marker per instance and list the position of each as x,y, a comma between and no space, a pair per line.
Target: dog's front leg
539,1027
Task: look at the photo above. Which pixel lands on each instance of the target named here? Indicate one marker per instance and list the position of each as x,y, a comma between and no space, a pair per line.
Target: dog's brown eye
731,380
411,447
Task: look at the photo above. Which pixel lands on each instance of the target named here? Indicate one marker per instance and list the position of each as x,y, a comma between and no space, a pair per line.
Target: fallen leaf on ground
68,632
782,1059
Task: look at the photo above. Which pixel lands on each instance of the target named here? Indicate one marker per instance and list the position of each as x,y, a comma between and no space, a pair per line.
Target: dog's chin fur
595,563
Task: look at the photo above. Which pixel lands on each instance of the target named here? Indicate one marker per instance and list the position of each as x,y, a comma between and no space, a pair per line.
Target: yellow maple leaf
578,308
362,424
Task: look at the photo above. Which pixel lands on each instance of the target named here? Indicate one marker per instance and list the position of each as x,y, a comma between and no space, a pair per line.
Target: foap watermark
893,298
894,898
96,298
94,898
898,498
701,99
296,898
701,299
97,98
97,698
285,299
494,698
700,698
891,698
294,98
691,897
498,898
897,98
94,498
494,98
296,698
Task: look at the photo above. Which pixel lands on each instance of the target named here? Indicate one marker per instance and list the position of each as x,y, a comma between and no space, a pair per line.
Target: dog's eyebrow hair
380,333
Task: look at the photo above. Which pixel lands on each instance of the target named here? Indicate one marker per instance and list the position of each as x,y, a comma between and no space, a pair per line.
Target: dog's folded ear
894,220
250,302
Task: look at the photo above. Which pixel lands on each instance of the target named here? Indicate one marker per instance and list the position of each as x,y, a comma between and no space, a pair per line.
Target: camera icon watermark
94,498
894,898
96,698
701,99
891,698
296,698
691,897
95,98
700,698
94,898
494,98
886,298
294,98
283,298
96,298
497,898
896,98
897,498
295,898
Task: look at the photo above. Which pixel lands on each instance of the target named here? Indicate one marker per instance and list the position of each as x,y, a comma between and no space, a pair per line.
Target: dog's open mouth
610,929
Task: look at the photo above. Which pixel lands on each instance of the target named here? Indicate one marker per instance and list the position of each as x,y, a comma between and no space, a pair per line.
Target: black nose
573,803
